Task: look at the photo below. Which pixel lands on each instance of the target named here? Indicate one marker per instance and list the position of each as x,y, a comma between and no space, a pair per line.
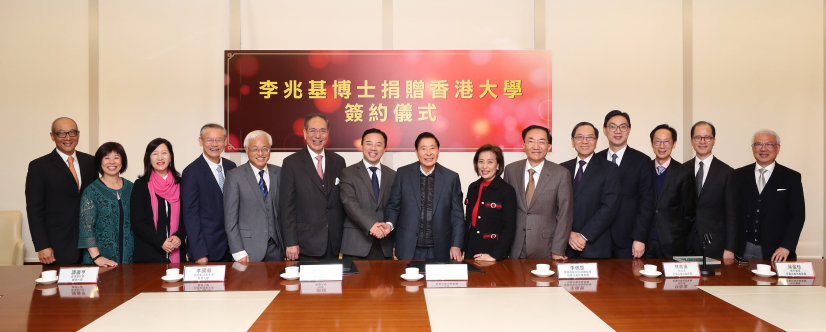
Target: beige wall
754,64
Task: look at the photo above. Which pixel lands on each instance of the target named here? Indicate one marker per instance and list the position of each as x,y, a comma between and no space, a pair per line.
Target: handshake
380,229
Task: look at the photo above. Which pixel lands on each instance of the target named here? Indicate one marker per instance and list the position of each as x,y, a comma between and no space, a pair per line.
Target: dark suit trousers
653,250
375,254
327,255
617,252
274,252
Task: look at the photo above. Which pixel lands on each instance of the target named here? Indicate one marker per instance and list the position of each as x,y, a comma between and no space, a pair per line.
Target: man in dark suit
631,227
674,200
425,207
251,204
772,209
365,190
596,189
716,197
544,198
54,184
311,207
202,198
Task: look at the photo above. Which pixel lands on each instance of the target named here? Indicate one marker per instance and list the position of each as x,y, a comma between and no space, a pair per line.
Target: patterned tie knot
660,170
701,164
218,168
261,174
71,159
531,172
582,163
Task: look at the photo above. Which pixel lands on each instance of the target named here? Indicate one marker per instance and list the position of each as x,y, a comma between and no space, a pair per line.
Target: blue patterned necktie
375,181
261,184
220,177
660,170
614,159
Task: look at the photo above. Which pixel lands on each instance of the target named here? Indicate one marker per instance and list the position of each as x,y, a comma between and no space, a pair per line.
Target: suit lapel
272,195
544,178
310,168
210,177
384,184
669,176
770,190
713,173
253,183
518,172
416,185
439,183
329,181
58,161
365,176
591,168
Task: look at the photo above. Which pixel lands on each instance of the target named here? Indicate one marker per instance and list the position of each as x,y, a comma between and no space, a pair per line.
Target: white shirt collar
367,166
313,154
211,164
65,156
769,168
587,160
619,153
256,170
706,162
428,173
537,169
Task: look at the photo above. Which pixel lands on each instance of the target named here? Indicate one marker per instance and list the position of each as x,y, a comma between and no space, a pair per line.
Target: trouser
654,250
423,253
327,254
375,253
753,251
274,252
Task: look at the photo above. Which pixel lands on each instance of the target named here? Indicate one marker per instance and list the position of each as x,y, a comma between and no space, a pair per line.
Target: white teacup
411,271
650,269
764,268
291,271
411,289
49,291
649,284
173,273
292,288
543,284
49,275
543,268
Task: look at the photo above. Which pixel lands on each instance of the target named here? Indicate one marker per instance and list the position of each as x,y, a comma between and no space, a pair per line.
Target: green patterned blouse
100,222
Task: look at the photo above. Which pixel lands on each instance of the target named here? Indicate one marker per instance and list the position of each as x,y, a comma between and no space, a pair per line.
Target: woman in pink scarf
160,236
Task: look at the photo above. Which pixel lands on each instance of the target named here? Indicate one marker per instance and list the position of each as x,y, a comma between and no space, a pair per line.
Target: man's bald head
62,119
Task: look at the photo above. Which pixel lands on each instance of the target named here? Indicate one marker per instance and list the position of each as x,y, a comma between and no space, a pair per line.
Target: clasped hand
380,230
171,244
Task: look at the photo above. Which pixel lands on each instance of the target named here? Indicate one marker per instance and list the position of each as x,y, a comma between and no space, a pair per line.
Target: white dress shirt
619,154
537,169
212,167
427,173
75,164
706,166
243,253
769,171
587,161
370,173
315,161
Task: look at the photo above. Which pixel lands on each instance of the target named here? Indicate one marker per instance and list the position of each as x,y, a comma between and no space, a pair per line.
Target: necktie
761,183
72,169
261,184
318,167
220,177
698,179
531,187
375,181
578,176
660,170
614,159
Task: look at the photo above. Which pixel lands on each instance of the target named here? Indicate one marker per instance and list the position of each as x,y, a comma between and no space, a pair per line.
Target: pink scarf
168,190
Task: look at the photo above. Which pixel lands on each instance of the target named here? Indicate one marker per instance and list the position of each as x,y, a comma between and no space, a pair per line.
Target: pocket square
781,189
337,181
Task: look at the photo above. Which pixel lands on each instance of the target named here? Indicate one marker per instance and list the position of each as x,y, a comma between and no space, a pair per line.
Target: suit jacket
363,211
674,212
596,200
495,219
545,226
202,209
149,235
53,204
405,203
782,209
636,211
311,207
716,210
248,215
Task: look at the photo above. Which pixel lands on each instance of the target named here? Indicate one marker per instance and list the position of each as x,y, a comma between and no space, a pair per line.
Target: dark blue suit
596,201
202,210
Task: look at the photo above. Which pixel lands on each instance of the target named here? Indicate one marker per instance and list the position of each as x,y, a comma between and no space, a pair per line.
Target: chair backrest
11,237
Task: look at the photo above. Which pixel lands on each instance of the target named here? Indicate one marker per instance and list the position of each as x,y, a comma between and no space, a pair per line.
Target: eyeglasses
213,140
768,146
319,131
540,142
257,150
658,143
586,138
613,128
62,134
699,138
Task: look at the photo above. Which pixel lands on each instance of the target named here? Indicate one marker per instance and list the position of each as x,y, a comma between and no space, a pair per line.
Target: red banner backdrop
465,98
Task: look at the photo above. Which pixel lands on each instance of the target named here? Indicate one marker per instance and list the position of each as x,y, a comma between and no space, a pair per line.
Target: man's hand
484,257
576,241
387,228
780,255
292,253
456,254
378,231
46,256
202,260
559,257
728,254
637,249
244,260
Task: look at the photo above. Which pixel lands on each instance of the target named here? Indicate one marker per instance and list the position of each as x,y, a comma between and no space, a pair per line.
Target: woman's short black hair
147,164
107,148
500,158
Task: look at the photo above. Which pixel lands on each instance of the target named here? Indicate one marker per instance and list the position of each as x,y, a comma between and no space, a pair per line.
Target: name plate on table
795,270
82,291
198,273
796,282
320,272
204,287
78,275
447,284
445,272
321,287
579,285
681,270
681,284
577,270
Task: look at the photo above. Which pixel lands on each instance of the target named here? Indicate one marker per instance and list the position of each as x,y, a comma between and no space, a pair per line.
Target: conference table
377,299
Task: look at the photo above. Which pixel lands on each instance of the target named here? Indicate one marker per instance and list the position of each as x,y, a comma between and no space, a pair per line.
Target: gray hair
213,126
766,132
256,134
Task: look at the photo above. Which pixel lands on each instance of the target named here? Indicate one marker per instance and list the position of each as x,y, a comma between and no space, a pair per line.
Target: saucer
770,274
45,282
653,275
543,274
285,277
172,279
412,278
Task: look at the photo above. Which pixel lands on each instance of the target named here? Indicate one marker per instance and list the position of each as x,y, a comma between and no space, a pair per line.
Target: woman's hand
169,244
176,242
105,262
484,257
